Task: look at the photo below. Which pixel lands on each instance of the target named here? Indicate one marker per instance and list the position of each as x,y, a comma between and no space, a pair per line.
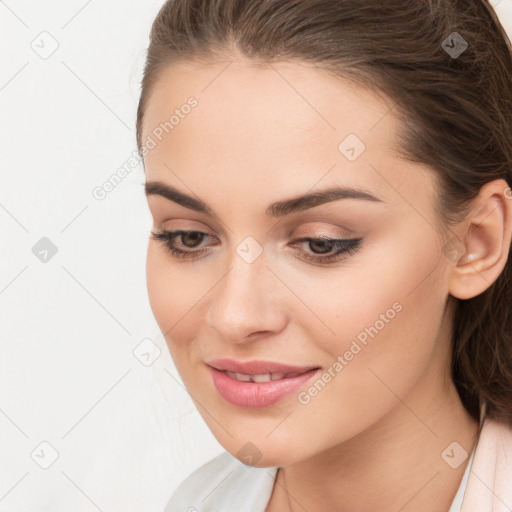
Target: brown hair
456,113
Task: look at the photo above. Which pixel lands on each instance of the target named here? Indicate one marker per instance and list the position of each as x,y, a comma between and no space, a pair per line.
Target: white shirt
224,484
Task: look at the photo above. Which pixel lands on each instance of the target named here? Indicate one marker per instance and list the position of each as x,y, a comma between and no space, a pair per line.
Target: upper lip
257,367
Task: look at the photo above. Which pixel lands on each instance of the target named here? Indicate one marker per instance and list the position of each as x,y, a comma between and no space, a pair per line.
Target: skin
372,439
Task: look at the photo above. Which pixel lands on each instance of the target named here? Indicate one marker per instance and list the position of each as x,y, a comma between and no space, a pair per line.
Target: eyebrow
277,209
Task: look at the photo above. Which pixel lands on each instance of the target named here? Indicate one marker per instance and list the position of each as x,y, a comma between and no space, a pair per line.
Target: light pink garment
489,486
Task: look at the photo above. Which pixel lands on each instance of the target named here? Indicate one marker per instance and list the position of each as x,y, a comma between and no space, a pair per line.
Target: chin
263,455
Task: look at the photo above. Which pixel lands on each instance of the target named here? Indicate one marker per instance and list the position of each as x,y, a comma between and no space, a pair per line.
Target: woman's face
371,320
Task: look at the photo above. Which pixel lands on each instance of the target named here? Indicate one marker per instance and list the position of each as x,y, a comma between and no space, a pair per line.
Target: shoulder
491,470
221,484
495,440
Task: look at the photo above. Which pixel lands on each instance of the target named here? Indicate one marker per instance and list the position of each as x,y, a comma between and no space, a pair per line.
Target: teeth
262,378
267,377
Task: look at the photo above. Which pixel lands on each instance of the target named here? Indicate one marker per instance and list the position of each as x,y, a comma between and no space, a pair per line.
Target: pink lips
245,392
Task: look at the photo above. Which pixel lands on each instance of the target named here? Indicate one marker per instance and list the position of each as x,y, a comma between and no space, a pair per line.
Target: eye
319,247
190,239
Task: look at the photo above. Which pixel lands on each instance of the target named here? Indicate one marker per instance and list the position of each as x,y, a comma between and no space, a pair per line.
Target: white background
126,434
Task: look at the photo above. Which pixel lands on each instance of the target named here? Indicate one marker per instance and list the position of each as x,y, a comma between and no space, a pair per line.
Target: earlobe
486,236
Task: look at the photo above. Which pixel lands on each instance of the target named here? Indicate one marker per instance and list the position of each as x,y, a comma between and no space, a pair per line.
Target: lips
264,377
258,367
257,383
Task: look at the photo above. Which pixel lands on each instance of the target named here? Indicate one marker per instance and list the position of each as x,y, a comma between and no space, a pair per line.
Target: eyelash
345,247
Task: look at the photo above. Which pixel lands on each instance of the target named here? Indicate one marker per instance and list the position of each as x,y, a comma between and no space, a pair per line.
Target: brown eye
190,239
320,247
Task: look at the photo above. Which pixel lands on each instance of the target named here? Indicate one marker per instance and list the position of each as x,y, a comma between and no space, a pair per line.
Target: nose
246,304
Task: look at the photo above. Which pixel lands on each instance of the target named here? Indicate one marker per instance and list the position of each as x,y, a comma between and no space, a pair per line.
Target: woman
330,189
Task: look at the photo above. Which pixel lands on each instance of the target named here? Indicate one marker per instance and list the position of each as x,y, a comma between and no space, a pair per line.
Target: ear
486,237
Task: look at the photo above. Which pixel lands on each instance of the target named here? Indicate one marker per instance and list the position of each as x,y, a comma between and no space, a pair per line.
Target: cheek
168,292
176,294
347,299
383,310
161,295
386,316
389,319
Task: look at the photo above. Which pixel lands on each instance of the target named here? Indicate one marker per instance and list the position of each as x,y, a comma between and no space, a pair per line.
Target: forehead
290,100
273,126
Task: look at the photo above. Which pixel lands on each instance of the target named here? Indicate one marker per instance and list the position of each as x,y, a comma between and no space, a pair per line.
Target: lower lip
257,394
